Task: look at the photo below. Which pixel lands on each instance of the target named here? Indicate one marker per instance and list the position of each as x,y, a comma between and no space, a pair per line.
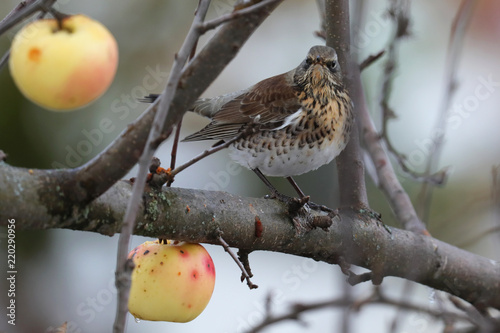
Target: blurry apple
170,282
67,68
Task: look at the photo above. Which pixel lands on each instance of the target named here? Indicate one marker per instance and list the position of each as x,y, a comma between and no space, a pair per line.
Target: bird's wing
267,105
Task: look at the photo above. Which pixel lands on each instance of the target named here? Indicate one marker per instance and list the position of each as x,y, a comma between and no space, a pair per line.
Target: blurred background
69,276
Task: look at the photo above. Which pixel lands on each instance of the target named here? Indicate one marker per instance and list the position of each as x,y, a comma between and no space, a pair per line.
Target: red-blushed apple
170,282
63,68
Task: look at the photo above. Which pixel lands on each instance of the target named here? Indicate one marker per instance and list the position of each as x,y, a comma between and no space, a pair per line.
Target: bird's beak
317,73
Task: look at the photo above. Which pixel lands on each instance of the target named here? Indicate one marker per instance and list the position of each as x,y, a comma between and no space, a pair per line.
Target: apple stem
59,16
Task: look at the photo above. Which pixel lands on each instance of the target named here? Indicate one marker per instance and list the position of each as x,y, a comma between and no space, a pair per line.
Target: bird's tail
202,106
205,107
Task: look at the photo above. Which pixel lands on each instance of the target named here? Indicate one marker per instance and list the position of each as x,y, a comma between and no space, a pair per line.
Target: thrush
291,123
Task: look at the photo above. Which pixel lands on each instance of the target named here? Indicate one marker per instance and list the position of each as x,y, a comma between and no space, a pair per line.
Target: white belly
288,161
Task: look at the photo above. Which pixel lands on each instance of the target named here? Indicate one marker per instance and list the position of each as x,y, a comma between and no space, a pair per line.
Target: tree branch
349,163
297,309
399,13
358,238
350,167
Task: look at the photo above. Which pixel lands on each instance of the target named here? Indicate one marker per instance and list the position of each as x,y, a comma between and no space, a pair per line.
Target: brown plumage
301,119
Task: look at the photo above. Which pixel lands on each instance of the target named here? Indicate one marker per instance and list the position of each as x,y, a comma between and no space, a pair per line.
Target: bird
285,125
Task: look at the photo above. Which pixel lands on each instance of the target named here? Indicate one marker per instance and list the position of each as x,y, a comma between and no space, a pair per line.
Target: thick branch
349,163
357,238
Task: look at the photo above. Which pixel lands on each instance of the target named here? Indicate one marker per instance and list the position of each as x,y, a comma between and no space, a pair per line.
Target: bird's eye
308,62
332,65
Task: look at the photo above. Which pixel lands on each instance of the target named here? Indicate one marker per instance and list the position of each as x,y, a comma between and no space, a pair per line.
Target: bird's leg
296,187
293,203
274,191
309,203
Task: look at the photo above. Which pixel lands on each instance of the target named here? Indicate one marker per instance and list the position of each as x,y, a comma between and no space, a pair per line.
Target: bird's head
319,71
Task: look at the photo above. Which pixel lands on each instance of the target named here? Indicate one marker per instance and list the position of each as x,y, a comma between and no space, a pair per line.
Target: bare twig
20,13
123,265
4,59
354,279
243,258
376,299
370,60
476,238
388,181
205,26
173,153
175,145
459,27
474,315
244,272
399,13
298,309
351,171
210,151
206,153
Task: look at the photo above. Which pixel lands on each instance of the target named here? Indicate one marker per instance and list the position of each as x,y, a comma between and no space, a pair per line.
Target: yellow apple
63,68
170,282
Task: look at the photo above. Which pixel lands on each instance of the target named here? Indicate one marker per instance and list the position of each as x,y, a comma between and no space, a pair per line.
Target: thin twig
123,270
483,234
399,13
173,153
388,181
206,153
23,11
18,14
299,308
4,59
204,27
370,60
175,145
243,258
459,27
475,316
250,284
354,279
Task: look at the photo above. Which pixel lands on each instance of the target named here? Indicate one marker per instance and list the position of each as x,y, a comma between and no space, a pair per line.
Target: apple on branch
171,281
63,65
